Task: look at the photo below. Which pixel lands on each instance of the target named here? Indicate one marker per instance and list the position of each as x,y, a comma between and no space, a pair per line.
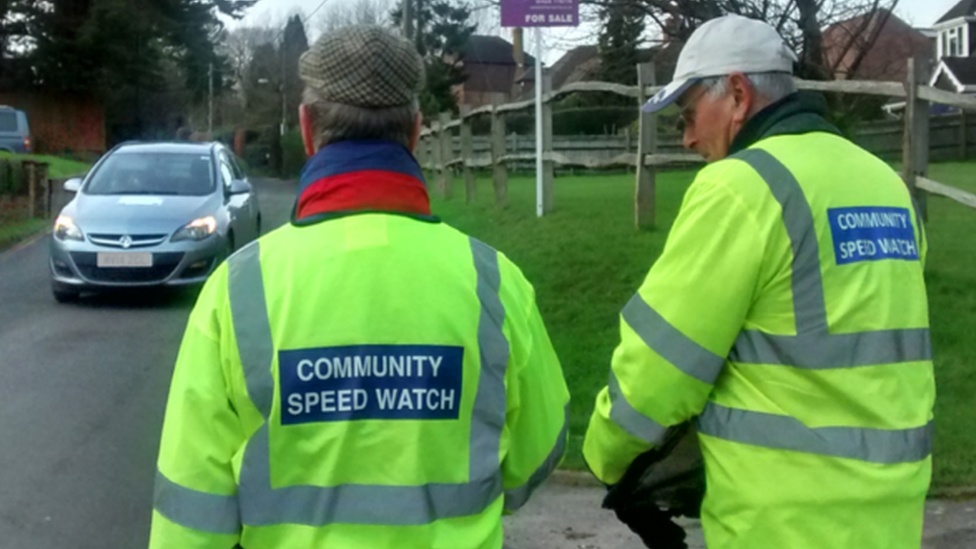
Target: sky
556,41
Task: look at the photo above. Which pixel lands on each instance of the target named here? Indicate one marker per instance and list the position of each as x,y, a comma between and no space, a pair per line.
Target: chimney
518,47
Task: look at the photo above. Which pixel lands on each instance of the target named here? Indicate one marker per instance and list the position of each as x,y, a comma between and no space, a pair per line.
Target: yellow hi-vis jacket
788,313
369,381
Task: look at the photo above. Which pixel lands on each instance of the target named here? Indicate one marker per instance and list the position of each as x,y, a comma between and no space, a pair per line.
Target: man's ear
418,125
743,97
308,135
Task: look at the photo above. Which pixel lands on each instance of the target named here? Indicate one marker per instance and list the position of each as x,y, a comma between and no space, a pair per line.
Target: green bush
293,154
13,181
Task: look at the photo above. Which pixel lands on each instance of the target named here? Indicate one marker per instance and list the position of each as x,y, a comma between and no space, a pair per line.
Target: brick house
873,47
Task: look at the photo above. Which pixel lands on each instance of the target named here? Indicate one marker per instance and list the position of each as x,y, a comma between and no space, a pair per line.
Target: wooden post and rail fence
439,151
25,190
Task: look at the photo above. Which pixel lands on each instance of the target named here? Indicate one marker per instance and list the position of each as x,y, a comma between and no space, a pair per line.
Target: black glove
654,526
665,482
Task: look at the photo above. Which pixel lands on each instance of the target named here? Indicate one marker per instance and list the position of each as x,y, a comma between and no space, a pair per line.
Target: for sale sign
540,13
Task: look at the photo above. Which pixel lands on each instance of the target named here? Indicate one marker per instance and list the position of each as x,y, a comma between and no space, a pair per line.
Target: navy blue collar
359,156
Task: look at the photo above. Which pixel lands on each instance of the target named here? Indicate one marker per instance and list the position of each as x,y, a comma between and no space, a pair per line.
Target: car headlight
65,229
198,229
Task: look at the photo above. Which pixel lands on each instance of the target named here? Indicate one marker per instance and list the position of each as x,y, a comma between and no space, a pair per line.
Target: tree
121,51
14,33
357,12
620,36
294,43
239,47
442,30
799,21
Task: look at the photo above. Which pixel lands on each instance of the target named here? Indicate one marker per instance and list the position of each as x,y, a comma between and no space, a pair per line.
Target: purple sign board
540,13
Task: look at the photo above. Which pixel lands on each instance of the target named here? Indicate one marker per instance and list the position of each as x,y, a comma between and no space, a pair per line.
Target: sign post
538,14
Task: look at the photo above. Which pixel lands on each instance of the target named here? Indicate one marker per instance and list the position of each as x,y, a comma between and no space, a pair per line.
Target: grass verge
586,260
58,167
12,233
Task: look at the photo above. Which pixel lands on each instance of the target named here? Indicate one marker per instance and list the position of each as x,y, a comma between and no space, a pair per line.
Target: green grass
586,260
15,230
58,167
952,301
12,233
957,174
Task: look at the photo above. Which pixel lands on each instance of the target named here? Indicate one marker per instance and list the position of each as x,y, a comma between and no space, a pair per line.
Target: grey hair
771,85
334,122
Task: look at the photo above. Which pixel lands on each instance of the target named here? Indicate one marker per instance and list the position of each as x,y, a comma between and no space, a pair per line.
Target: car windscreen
157,173
8,121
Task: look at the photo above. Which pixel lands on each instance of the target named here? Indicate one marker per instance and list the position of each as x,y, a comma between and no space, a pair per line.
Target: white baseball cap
722,46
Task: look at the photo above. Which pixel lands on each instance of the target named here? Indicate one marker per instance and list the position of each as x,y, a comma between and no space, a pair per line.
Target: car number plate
124,259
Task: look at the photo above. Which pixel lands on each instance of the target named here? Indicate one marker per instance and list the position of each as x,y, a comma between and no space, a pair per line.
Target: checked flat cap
363,66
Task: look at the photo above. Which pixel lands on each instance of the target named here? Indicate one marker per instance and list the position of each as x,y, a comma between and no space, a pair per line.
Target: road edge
21,243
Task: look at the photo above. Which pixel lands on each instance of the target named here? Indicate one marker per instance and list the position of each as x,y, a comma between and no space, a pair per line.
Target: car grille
135,240
163,266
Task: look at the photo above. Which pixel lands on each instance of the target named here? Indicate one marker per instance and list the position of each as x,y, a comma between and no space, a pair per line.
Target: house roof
583,64
962,68
964,8
572,62
492,50
886,58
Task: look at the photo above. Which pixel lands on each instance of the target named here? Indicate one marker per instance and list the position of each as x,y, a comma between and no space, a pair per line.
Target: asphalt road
82,393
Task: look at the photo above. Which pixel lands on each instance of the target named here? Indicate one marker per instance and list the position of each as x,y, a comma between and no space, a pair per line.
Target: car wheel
64,296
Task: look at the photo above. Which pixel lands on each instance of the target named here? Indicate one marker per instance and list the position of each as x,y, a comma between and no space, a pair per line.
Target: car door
253,213
238,205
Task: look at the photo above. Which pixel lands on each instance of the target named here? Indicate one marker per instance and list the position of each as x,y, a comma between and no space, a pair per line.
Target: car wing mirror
239,186
73,185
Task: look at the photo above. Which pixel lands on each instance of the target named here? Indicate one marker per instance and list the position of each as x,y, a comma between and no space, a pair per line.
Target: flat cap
363,66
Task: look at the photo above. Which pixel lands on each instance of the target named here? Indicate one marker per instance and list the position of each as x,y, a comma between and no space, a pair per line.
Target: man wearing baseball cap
787,315
365,376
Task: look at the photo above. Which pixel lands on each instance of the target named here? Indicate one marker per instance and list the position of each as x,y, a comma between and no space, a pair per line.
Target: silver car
152,214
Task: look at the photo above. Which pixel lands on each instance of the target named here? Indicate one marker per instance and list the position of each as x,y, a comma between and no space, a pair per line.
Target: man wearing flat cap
365,376
787,315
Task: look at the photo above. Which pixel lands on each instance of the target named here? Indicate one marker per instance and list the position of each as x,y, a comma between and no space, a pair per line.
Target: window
952,44
8,121
226,172
236,166
153,173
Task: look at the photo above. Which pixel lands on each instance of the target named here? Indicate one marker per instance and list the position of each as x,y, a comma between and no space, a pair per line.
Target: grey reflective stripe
198,510
813,347
808,295
517,497
674,346
251,325
262,505
630,420
353,503
488,415
834,351
787,433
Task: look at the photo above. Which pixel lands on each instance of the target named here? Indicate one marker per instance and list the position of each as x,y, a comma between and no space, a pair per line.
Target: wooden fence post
438,157
514,149
499,172
548,165
467,155
915,146
44,190
646,144
420,153
447,154
30,169
963,138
